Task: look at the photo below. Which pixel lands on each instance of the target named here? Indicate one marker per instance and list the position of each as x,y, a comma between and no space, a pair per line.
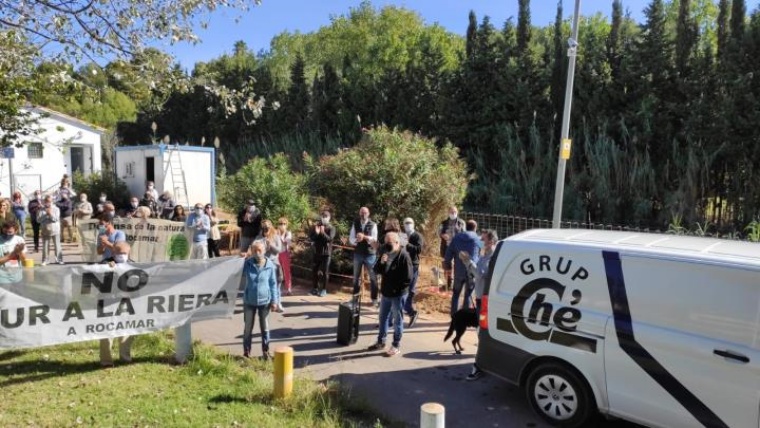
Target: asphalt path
427,370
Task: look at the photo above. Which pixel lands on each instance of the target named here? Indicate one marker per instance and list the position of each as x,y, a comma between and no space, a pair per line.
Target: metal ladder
177,173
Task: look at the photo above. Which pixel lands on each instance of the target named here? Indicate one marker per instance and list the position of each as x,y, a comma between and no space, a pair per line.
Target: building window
34,150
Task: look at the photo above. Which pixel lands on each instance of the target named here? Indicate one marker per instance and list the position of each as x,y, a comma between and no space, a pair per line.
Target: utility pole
565,143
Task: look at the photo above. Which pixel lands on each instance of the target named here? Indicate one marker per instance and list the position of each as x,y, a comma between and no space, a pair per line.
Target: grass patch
65,386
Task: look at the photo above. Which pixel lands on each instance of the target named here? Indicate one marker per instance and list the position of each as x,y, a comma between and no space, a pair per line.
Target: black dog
463,318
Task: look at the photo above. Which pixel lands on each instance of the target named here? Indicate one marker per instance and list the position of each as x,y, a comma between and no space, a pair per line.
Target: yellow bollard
28,272
283,372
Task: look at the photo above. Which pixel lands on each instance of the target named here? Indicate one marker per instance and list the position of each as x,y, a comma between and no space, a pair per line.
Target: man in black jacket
321,235
395,267
414,248
249,222
35,204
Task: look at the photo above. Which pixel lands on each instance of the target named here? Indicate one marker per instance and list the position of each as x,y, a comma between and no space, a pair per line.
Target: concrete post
432,415
183,342
283,372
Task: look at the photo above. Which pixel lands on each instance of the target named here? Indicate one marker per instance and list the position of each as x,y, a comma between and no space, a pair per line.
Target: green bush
393,173
271,182
96,183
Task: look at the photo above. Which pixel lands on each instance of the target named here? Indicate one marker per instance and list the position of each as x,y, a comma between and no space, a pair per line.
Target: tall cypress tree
523,25
298,102
723,29
558,66
472,29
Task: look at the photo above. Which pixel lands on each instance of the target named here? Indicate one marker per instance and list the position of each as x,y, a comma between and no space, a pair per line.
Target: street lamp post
565,143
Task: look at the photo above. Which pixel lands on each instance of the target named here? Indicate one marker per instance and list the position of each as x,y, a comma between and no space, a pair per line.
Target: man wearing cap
249,222
414,248
200,225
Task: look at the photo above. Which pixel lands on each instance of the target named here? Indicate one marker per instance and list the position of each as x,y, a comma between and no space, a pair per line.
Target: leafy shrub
96,183
270,182
393,173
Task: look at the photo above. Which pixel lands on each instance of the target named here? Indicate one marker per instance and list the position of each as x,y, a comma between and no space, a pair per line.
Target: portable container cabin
188,172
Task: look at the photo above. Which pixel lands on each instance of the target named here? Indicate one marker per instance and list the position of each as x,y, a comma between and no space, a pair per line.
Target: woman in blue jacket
261,295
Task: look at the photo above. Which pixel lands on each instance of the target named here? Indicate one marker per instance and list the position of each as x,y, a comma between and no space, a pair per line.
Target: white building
178,169
64,145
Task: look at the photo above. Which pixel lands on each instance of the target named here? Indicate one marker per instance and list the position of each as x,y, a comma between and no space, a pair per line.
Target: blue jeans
249,314
392,306
459,284
409,305
368,261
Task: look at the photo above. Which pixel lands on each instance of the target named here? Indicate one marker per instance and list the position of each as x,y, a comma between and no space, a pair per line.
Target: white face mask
325,220
452,216
409,228
102,199
134,204
120,258
198,211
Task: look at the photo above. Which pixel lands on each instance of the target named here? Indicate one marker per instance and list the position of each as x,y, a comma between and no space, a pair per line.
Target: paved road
427,370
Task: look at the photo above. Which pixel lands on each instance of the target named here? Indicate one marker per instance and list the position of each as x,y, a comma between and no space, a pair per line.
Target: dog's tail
451,330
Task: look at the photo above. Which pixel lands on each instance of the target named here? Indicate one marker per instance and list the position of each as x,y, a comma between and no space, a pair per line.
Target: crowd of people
391,253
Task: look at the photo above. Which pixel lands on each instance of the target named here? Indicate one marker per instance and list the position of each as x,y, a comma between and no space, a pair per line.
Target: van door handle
731,355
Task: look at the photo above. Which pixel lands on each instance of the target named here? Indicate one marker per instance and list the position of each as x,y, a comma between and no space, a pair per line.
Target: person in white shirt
12,253
49,218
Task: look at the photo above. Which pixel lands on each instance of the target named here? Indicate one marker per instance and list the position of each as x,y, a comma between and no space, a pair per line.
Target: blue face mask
102,230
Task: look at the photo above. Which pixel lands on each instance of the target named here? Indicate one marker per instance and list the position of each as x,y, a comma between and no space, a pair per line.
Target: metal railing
507,225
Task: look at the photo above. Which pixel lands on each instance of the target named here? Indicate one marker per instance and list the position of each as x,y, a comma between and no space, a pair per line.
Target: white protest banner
152,240
63,304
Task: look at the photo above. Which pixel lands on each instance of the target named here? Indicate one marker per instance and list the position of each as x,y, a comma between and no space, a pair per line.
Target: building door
77,159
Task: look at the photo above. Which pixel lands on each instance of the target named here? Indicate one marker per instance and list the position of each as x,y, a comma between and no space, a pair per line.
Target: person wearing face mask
65,189
447,231
108,237
134,203
199,224
477,273
469,242
66,209
321,236
12,254
150,203
120,255
286,240
166,204
151,188
83,209
49,218
260,296
272,249
414,245
363,234
19,210
249,222
395,267
102,201
34,208
214,235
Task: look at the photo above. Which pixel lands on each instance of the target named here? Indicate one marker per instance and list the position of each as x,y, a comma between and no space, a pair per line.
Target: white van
658,329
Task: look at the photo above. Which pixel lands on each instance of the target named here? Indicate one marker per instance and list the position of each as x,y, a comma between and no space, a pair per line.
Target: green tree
409,175
280,192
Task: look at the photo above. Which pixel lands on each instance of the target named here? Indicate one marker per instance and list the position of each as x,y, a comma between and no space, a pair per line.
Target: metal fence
507,225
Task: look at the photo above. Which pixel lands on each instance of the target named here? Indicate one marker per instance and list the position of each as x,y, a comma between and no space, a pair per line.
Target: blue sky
261,23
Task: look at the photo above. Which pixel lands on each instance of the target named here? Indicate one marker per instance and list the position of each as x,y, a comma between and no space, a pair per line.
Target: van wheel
559,396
